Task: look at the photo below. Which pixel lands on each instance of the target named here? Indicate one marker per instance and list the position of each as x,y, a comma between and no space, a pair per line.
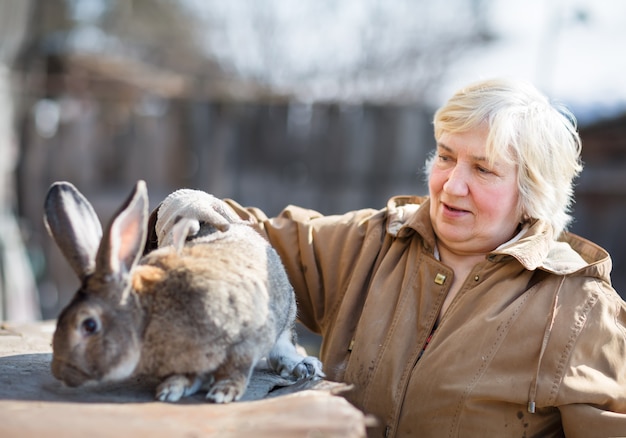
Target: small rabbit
192,313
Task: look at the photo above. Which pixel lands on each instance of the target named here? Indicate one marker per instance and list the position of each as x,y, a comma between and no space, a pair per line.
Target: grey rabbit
193,313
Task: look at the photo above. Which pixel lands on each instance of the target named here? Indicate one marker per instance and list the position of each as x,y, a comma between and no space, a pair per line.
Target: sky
573,50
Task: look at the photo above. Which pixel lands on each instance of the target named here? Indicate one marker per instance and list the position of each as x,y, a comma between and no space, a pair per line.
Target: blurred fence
327,157
600,209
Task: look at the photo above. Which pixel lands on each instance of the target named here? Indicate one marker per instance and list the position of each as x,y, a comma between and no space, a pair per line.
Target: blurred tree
353,50
18,293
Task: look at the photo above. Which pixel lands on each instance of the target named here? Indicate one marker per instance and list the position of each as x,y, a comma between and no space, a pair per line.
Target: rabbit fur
200,311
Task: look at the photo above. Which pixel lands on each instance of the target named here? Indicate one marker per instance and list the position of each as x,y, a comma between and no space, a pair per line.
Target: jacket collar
536,249
409,214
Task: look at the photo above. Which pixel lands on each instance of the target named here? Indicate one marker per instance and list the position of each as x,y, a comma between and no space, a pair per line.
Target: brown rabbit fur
194,313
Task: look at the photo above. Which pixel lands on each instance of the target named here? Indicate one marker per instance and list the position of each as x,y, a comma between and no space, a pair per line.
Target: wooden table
34,404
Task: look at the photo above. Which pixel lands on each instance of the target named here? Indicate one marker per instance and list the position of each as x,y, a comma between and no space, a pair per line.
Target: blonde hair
524,127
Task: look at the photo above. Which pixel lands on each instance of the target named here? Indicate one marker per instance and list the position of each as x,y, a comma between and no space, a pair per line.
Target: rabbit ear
124,239
152,239
74,226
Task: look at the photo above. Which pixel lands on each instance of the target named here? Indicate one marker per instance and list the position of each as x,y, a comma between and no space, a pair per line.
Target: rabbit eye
89,326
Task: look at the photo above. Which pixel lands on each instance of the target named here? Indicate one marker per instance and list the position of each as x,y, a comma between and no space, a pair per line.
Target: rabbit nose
56,368
68,374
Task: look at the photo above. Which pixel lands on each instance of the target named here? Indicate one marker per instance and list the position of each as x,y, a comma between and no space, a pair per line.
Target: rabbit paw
176,387
288,362
310,366
226,391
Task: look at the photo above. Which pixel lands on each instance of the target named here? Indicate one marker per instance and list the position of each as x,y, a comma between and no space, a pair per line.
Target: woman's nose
456,184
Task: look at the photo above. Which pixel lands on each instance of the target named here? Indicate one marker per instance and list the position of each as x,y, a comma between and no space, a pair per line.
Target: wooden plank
34,404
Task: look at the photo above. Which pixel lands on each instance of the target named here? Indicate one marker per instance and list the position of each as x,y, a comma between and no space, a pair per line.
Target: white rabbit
195,313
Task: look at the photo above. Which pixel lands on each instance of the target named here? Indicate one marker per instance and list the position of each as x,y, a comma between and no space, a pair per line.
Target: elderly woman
470,312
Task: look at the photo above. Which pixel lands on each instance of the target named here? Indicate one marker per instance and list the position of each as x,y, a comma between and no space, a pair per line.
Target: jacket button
476,278
440,279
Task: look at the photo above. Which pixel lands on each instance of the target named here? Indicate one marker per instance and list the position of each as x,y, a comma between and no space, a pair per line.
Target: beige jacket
534,344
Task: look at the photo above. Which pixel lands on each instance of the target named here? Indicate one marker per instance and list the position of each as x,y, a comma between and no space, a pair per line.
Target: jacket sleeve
319,253
593,391
586,421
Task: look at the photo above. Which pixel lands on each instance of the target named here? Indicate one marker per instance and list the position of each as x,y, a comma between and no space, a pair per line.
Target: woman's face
473,204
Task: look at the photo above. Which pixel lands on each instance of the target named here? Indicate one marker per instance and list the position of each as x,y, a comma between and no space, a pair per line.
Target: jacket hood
568,255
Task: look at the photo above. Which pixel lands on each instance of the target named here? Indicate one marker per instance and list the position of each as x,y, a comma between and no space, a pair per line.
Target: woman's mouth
453,209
